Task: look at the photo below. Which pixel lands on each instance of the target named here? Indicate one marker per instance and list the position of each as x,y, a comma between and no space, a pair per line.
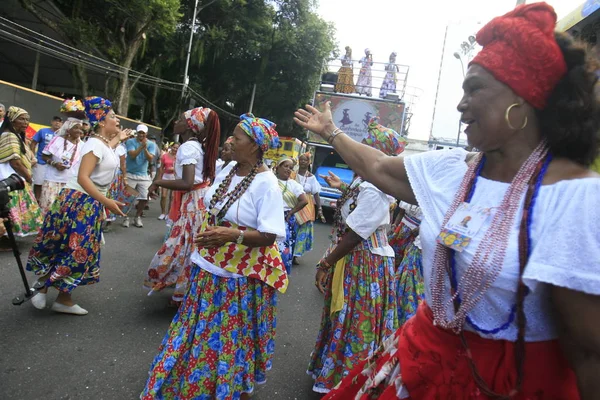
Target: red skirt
431,363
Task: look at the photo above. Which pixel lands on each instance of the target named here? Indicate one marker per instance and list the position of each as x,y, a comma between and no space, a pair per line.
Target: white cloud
415,30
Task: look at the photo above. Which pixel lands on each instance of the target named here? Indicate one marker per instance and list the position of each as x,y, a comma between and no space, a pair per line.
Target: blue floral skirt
304,239
220,343
411,289
286,246
68,244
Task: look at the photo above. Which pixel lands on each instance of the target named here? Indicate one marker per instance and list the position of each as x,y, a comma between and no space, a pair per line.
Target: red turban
520,50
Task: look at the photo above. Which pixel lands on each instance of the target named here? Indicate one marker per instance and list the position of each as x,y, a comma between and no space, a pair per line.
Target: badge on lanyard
464,225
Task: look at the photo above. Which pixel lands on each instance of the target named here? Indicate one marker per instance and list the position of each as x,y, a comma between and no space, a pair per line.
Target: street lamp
465,51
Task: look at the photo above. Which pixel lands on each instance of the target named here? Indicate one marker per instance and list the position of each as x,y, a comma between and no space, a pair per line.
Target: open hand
216,236
114,207
125,134
332,180
315,121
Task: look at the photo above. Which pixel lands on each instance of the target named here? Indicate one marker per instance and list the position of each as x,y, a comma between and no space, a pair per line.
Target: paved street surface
106,354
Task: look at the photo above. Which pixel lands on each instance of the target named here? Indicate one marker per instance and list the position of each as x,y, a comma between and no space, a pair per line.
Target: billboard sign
352,114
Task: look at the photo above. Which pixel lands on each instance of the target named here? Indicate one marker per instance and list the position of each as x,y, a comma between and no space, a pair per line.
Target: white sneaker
125,223
39,300
162,217
74,309
138,222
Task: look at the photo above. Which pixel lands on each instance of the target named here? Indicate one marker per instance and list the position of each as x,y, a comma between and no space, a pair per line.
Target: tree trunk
155,106
83,79
122,100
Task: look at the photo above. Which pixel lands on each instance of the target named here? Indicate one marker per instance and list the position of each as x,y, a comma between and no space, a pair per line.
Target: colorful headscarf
96,109
520,50
283,159
261,130
384,139
197,118
68,124
15,112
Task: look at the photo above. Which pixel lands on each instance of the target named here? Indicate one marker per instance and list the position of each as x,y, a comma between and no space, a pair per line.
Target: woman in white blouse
510,238
66,252
221,342
305,218
62,156
294,200
195,163
357,275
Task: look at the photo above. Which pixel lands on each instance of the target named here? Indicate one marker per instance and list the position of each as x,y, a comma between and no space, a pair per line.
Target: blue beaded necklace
528,217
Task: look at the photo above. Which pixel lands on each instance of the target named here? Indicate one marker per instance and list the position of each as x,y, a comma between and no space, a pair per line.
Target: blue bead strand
513,311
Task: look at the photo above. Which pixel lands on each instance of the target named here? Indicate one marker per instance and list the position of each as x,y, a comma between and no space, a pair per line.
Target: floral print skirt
400,239
411,289
220,343
68,245
287,245
367,318
304,239
50,191
24,212
117,187
171,264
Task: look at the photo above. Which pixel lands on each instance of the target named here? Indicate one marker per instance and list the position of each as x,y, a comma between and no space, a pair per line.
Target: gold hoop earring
507,118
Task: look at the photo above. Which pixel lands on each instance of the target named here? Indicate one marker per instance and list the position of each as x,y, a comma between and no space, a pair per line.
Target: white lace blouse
565,237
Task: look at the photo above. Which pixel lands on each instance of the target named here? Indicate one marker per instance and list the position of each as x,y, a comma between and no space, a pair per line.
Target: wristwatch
240,238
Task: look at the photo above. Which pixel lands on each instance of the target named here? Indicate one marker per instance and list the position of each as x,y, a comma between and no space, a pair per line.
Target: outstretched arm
387,173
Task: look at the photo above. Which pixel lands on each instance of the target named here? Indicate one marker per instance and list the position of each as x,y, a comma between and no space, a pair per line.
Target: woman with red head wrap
503,293
195,163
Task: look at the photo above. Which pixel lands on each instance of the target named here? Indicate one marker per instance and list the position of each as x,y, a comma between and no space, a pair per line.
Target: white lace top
565,237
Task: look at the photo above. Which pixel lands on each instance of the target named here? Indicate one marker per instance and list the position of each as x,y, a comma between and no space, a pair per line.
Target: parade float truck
288,147
351,113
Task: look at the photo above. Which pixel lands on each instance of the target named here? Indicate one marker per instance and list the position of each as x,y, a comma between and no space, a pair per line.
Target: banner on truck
352,114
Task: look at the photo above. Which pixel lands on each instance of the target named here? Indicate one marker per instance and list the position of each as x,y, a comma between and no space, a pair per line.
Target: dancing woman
306,217
345,81
530,108
16,157
365,77
200,131
294,200
66,252
61,154
221,342
357,276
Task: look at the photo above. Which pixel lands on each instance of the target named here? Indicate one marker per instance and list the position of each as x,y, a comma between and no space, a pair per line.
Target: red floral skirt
426,362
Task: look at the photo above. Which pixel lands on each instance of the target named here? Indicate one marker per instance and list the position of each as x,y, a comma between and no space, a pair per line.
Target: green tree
117,29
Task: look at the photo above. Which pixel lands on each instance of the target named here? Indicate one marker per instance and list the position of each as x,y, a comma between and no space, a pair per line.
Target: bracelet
333,135
323,264
343,187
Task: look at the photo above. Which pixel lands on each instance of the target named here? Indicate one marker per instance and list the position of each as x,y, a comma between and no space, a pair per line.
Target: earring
507,118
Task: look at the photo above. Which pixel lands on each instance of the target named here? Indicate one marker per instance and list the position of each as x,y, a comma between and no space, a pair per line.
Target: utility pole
186,78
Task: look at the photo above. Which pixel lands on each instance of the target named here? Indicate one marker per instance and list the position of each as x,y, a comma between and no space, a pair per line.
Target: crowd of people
450,274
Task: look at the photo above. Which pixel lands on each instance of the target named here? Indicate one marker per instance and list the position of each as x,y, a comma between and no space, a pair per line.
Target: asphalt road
107,353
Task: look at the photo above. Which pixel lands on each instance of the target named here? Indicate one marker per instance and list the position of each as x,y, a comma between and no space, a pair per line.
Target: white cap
142,127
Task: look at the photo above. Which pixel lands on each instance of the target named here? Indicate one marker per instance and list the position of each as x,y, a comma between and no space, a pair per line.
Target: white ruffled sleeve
315,187
567,252
188,154
435,177
55,146
269,208
295,187
372,210
95,146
